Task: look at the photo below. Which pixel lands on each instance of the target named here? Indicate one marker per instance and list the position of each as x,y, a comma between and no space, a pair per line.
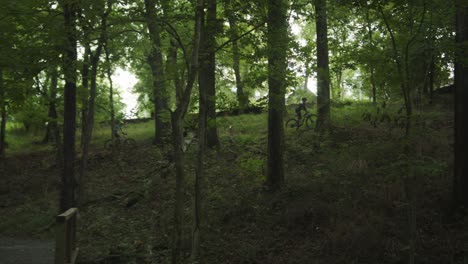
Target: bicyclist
116,129
302,107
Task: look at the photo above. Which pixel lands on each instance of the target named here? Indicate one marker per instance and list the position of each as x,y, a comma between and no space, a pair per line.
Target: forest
263,131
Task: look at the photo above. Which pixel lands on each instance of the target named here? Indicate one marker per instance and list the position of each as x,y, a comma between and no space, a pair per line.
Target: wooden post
65,235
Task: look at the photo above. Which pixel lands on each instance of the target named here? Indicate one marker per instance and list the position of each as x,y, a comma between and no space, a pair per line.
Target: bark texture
3,116
208,72
323,74
242,99
155,61
277,44
461,113
177,117
67,197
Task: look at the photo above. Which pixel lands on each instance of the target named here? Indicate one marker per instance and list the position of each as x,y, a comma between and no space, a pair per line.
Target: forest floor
344,200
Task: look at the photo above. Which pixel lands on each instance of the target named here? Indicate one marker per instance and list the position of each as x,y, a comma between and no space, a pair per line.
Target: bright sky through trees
125,80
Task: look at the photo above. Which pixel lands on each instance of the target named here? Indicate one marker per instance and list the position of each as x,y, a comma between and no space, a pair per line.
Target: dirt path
26,251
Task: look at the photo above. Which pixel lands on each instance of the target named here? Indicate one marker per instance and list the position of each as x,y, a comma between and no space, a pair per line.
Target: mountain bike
308,119
120,142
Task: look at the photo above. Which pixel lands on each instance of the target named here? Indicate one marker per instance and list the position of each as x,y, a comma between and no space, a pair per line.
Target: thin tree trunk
323,75
92,103
339,76
199,177
277,43
3,131
3,116
54,116
409,178
371,43
52,113
461,113
111,90
156,63
67,197
177,130
177,118
85,96
241,97
431,78
204,79
208,72
427,69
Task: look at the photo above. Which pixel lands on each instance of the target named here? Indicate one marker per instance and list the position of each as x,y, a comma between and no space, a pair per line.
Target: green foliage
296,97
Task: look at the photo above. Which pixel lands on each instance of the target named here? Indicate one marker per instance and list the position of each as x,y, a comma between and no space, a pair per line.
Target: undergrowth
343,201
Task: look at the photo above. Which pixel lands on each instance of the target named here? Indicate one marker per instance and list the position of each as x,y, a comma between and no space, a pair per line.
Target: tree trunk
156,63
92,103
177,117
277,44
199,177
67,197
461,113
431,78
242,99
3,131
52,127
177,130
85,95
3,117
323,75
371,66
208,72
204,81
111,91
339,92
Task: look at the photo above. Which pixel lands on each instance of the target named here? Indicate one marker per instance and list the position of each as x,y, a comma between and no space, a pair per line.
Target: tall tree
277,45
111,89
67,198
323,74
89,118
461,111
208,71
3,116
52,130
204,78
177,121
233,32
370,32
155,61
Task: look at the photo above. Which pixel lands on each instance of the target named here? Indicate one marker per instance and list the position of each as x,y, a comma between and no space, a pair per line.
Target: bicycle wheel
291,123
129,143
309,121
108,144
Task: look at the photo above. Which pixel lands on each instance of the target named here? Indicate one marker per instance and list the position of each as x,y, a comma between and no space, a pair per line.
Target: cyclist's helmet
304,99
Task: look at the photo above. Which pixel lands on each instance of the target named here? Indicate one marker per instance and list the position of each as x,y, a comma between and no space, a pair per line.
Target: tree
323,75
52,129
177,118
461,96
94,58
207,71
277,44
67,198
3,116
205,77
242,98
156,63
